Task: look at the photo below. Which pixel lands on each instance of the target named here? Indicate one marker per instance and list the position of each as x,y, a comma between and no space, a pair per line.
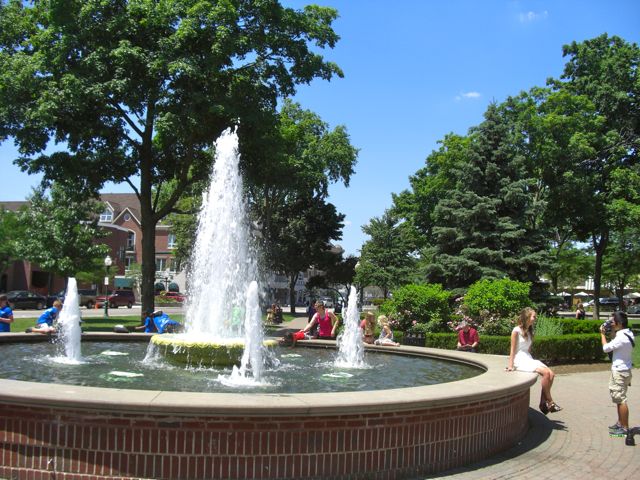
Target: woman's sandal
543,408
553,407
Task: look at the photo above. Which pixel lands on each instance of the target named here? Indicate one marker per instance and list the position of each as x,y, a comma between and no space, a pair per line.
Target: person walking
621,349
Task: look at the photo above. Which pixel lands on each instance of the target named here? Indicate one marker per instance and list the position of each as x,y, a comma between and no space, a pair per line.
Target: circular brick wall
69,432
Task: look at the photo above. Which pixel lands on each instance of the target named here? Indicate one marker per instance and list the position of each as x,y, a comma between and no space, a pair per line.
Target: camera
607,326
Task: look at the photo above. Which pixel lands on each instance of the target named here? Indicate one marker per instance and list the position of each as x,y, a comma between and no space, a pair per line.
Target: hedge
571,325
572,348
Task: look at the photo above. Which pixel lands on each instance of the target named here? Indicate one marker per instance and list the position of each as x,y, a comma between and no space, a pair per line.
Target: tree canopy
60,234
137,91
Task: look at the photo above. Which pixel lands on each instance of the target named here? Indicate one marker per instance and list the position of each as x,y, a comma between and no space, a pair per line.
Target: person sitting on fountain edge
467,337
327,322
386,334
158,322
45,322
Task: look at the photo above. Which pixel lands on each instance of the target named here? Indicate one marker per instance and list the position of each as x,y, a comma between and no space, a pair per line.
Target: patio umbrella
563,294
632,295
581,294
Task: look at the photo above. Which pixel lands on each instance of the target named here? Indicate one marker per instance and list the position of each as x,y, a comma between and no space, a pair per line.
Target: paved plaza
573,444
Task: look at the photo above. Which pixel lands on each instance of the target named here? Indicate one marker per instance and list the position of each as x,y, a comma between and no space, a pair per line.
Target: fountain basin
181,349
399,433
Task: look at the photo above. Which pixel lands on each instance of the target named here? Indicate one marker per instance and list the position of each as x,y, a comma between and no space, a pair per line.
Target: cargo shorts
618,384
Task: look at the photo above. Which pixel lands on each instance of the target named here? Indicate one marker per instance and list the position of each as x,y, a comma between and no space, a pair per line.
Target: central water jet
222,266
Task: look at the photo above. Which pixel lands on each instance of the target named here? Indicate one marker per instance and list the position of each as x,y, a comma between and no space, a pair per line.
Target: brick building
121,219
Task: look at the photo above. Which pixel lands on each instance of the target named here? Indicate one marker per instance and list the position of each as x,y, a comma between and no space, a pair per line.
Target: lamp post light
107,264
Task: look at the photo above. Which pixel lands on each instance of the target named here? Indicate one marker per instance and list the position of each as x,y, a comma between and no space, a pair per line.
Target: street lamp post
107,264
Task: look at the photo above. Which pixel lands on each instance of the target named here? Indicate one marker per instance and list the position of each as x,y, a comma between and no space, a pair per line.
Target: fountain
222,268
350,344
71,430
69,323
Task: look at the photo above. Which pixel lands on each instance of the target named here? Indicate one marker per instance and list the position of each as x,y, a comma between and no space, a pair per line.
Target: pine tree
484,227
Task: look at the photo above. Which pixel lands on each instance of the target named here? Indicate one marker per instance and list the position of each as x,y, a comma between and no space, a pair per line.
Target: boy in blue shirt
6,314
159,322
46,320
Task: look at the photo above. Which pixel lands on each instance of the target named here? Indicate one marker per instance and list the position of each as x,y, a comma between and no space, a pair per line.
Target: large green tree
485,227
137,91
595,153
300,234
10,235
60,233
387,258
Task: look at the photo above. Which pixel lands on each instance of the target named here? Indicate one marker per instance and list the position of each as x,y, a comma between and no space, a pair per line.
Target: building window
128,262
174,265
107,215
161,264
131,240
171,240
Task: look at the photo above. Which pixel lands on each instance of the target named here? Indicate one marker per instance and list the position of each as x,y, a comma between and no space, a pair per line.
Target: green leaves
60,233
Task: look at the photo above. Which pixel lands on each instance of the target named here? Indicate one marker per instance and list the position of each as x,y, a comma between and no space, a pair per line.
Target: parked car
23,299
633,308
118,298
87,297
609,302
178,297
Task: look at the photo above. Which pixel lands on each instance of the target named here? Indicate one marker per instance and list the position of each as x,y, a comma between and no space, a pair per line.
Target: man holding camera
620,348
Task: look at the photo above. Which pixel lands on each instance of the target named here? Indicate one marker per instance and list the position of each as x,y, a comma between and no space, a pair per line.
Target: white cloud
466,95
532,16
347,223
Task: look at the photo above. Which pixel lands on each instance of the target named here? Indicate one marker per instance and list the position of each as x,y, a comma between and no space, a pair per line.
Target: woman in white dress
520,358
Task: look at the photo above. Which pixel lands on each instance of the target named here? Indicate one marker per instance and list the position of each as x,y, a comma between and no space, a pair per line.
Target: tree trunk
599,248
293,278
148,226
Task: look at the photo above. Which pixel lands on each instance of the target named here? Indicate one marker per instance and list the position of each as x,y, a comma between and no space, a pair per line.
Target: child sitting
386,334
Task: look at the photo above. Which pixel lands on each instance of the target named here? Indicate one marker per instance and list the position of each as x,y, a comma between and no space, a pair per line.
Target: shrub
412,304
552,350
571,325
502,298
547,326
568,348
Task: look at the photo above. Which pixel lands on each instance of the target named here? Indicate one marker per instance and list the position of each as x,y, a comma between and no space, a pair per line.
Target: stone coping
493,383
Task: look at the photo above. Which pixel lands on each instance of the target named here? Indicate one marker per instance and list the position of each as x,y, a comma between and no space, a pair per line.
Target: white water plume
69,331
350,343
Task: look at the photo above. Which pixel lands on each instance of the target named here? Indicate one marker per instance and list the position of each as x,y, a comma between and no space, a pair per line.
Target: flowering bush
419,304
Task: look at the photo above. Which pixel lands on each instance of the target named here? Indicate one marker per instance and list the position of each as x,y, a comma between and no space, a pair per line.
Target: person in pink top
327,322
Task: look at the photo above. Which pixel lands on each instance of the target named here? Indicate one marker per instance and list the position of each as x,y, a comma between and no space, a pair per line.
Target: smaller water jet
350,344
69,331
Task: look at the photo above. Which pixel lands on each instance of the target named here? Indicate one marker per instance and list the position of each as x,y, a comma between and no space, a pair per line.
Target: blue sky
418,69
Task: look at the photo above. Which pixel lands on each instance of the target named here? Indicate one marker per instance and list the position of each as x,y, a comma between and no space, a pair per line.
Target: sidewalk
573,444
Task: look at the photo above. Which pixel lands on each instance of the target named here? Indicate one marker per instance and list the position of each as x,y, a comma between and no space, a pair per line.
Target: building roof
120,202
13,206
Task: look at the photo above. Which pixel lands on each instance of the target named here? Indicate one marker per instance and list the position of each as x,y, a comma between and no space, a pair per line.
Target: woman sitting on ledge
520,358
386,334
326,321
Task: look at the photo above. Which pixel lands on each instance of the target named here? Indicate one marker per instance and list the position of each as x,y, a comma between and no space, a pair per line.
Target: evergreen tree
484,227
386,259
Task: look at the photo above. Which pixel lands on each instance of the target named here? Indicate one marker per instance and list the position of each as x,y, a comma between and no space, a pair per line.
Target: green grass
106,325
